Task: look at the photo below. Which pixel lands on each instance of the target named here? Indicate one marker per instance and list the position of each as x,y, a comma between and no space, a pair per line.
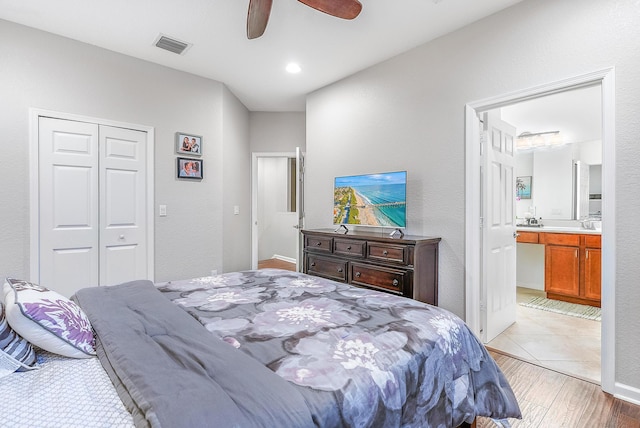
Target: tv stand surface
405,266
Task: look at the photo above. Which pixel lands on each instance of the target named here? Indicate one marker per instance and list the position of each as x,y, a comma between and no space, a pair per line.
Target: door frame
34,174
473,262
254,198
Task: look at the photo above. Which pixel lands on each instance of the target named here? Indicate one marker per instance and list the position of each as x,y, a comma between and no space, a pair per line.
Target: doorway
474,202
558,142
276,209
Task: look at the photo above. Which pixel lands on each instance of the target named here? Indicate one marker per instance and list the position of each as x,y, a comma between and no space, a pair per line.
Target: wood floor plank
534,383
598,410
570,404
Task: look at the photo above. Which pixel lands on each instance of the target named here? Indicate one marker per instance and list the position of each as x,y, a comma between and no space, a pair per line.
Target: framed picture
523,187
188,144
190,168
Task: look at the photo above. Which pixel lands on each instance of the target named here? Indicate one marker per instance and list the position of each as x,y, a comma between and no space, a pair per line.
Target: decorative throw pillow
47,319
15,352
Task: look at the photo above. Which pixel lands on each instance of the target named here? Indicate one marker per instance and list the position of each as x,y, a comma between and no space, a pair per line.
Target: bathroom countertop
560,229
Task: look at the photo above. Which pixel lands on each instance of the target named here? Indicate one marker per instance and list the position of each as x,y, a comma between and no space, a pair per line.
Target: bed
264,348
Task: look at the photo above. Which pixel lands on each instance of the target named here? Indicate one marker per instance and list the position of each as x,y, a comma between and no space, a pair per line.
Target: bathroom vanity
572,262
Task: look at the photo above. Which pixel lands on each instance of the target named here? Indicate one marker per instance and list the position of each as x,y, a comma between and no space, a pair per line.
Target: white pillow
47,319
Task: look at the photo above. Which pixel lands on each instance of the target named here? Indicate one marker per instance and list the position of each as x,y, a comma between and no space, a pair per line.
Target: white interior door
68,217
299,206
499,232
123,252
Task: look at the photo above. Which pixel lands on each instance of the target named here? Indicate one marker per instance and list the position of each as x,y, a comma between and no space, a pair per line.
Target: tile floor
563,343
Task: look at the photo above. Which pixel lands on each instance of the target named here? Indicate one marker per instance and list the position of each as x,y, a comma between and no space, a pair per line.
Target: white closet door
123,252
68,217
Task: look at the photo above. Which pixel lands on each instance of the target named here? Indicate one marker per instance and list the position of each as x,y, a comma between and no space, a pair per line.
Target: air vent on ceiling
171,45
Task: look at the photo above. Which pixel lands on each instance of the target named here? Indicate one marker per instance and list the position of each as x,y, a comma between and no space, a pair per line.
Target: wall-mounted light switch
163,210
236,210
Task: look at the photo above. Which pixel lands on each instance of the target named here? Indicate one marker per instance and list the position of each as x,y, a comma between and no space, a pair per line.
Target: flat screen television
371,199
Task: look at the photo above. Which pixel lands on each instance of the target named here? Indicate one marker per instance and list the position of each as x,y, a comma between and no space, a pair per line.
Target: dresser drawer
327,267
348,247
387,252
320,244
393,280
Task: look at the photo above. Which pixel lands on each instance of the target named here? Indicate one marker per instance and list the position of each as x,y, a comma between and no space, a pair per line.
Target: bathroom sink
529,225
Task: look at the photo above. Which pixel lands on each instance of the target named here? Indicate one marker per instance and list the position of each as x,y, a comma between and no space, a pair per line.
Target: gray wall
277,132
408,113
41,70
236,183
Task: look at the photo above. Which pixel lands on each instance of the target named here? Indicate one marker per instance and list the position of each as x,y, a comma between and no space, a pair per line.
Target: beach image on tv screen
371,200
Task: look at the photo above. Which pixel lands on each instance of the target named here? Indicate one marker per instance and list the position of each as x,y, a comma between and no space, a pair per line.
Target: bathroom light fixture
531,140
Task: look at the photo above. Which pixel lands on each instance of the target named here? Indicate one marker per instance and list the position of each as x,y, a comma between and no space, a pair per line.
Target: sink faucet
587,223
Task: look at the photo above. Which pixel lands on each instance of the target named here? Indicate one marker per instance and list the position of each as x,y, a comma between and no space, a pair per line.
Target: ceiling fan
259,11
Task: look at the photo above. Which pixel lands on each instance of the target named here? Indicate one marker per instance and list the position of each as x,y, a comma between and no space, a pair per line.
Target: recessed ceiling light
293,68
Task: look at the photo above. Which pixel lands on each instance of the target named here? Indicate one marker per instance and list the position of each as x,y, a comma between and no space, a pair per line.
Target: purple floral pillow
48,320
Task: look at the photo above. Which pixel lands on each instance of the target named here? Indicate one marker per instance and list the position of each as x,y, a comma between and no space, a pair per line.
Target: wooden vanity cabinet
572,267
406,266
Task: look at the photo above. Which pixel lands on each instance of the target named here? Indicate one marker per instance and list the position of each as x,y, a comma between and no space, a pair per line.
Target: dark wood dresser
406,266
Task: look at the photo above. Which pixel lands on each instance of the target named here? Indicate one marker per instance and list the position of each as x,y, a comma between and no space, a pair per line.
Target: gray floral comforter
359,357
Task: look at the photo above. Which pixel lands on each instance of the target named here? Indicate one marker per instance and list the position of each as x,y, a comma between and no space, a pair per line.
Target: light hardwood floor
276,264
551,399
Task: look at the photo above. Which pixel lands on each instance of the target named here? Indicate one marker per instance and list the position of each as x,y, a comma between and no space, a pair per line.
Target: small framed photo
523,187
190,168
188,144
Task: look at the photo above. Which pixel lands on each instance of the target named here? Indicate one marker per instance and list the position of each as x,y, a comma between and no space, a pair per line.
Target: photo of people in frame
188,144
189,168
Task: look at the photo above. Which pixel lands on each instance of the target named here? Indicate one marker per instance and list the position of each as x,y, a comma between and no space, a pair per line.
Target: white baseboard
284,258
627,393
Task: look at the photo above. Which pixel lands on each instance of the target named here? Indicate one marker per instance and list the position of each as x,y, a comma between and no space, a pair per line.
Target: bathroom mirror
565,181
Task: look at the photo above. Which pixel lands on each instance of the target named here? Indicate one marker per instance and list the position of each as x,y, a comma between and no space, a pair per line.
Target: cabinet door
592,273
562,270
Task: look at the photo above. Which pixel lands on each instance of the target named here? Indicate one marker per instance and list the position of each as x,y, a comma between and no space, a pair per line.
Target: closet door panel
68,211
123,214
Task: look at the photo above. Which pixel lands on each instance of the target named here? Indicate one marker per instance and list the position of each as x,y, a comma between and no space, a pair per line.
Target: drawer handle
318,244
313,264
385,252
340,270
395,283
349,247
358,274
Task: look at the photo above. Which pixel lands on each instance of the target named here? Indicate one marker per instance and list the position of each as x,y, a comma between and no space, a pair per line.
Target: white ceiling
327,48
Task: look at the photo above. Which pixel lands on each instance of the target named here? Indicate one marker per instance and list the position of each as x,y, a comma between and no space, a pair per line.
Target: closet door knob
385,252
395,283
121,237
358,274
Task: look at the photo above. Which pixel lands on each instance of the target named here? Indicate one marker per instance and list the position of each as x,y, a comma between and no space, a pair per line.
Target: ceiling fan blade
257,17
345,9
